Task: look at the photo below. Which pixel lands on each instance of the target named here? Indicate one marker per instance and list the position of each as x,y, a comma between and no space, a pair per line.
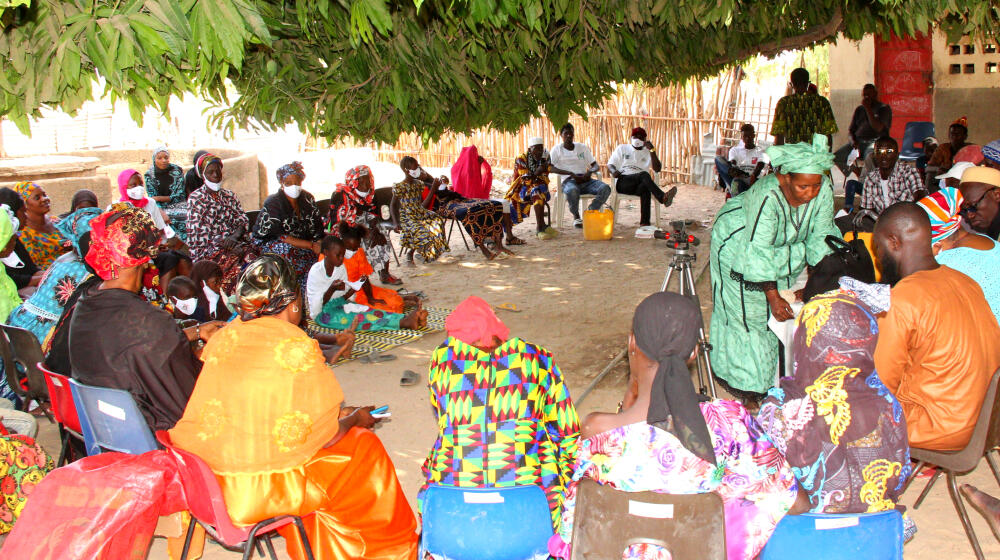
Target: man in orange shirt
937,346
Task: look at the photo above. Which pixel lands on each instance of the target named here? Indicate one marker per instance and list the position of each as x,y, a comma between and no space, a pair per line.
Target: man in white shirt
629,165
575,162
744,164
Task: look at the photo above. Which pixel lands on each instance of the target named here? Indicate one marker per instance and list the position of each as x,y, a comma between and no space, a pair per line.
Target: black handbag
849,258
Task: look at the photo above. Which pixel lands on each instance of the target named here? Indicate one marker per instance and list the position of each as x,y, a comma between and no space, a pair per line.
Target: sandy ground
576,299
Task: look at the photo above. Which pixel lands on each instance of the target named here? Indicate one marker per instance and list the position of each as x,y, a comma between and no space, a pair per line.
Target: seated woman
421,230
358,270
278,438
213,303
170,262
973,254
329,293
192,180
472,178
840,429
479,350
289,223
83,198
165,185
40,312
217,226
25,274
38,231
664,441
23,464
530,187
359,209
483,219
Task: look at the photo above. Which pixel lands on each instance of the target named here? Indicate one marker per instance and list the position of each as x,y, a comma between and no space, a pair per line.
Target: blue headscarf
73,226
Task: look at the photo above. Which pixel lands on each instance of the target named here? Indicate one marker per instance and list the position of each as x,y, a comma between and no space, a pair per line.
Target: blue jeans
735,185
572,190
851,189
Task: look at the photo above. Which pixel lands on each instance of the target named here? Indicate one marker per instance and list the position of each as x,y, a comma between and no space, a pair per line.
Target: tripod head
678,238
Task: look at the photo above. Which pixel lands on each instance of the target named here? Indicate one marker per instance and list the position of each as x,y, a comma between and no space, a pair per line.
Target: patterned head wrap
665,327
962,121
942,208
813,158
204,161
971,153
348,211
76,224
25,188
474,322
991,151
122,237
123,178
267,286
294,168
159,150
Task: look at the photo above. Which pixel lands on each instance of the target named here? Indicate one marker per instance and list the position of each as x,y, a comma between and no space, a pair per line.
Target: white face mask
293,191
12,261
186,306
213,186
638,144
136,193
363,194
415,173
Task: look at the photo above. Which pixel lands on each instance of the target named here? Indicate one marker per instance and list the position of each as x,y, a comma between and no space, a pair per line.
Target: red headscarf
123,178
348,211
469,177
474,322
124,237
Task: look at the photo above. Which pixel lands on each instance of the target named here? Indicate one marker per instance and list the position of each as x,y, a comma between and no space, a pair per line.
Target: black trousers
643,185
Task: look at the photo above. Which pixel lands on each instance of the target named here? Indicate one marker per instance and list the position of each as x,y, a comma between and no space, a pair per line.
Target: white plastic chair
616,198
561,201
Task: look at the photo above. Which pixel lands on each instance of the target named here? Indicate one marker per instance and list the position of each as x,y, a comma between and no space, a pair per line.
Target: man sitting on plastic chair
576,163
630,164
744,165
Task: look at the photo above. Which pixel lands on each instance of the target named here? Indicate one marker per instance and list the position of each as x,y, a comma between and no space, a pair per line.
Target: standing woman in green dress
421,230
761,241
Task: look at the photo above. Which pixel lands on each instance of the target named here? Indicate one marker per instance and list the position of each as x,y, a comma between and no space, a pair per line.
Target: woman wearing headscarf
22,270
761,242
480,352
165,185
530,187
213,304
421,230
663,440
289,223
83,198
944,154
38,232
40,312
217,226
169,262
358,209
973,254
278,439
471,175
193,181
838,426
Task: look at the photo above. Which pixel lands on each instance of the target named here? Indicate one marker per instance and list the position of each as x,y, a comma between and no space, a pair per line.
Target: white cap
535,141
956,170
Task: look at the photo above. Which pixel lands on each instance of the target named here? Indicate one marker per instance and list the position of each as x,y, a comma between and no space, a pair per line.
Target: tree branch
808,37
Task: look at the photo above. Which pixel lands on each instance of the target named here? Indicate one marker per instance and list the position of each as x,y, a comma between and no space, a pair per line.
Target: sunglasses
886,151
974,207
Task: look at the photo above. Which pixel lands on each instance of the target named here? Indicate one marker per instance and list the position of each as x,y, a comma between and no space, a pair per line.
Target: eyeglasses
974,207
886,151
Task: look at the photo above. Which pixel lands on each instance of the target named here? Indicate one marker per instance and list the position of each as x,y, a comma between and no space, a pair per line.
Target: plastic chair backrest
607,521
61,397
914,134
204,496
27,354
872,536
486,523
382,198
984,437
110,420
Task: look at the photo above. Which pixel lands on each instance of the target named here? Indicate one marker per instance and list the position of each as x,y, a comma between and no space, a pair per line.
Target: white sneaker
578,222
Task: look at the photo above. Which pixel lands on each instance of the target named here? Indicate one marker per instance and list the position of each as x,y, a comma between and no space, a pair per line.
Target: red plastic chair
208,507
63,409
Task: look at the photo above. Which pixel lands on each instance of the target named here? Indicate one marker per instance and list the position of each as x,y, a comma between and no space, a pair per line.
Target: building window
970,68
955,69
970,49
955,49
989,49
991,68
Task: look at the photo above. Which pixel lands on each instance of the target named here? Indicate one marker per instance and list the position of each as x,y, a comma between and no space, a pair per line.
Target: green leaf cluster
373,69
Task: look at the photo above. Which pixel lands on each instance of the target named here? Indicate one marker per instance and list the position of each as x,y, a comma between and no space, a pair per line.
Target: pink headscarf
971,153
474,322
123,178
469,178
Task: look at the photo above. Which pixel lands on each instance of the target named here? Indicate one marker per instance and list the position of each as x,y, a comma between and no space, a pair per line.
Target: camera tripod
681,263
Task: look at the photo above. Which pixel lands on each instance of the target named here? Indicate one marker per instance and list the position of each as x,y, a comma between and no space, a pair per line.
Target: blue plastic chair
912,145
873,536
486,523
110,420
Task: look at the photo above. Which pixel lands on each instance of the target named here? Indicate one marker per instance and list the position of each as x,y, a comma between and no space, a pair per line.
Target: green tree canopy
375,68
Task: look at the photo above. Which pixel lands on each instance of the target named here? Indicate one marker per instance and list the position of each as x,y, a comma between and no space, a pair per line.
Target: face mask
638,144
213,186
186,306
136,193
293,191
415,173
12,261
363,194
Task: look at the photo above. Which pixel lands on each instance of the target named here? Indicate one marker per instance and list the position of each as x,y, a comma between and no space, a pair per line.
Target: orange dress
260,416
357,267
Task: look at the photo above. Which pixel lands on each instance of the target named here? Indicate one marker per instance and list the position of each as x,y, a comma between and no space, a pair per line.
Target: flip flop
422,274
515,242
376,358
409,378
508,307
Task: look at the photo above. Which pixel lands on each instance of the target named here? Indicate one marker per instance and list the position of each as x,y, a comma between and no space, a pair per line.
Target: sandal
515,241
409,378
376,358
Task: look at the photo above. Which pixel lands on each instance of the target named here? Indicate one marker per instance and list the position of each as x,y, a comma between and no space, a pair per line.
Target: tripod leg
703,346
666,278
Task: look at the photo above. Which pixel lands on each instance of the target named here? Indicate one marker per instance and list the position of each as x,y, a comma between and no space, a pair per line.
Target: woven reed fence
675,118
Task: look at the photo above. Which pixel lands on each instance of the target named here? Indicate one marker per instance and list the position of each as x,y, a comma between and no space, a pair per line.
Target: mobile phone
380,410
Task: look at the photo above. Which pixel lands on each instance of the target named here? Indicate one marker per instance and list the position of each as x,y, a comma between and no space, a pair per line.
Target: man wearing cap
980,188
576,163
991,154
629,165
530,187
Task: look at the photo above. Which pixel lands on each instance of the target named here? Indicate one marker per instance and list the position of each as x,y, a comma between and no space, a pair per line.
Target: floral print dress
23,463
422,230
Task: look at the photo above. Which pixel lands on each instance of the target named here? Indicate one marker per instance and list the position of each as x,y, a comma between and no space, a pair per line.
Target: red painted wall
904,77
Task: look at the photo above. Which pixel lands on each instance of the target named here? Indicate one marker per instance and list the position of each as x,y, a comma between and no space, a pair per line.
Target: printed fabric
420,229
528,191
800,115
23,463
211,219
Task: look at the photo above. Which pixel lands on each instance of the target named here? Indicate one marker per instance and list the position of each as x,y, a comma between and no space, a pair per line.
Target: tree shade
375,68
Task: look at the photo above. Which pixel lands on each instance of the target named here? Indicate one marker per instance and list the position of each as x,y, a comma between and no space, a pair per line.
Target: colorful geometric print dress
421,229
504,419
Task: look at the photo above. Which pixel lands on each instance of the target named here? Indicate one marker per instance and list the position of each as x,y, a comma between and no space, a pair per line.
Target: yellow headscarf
8,290
802,157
